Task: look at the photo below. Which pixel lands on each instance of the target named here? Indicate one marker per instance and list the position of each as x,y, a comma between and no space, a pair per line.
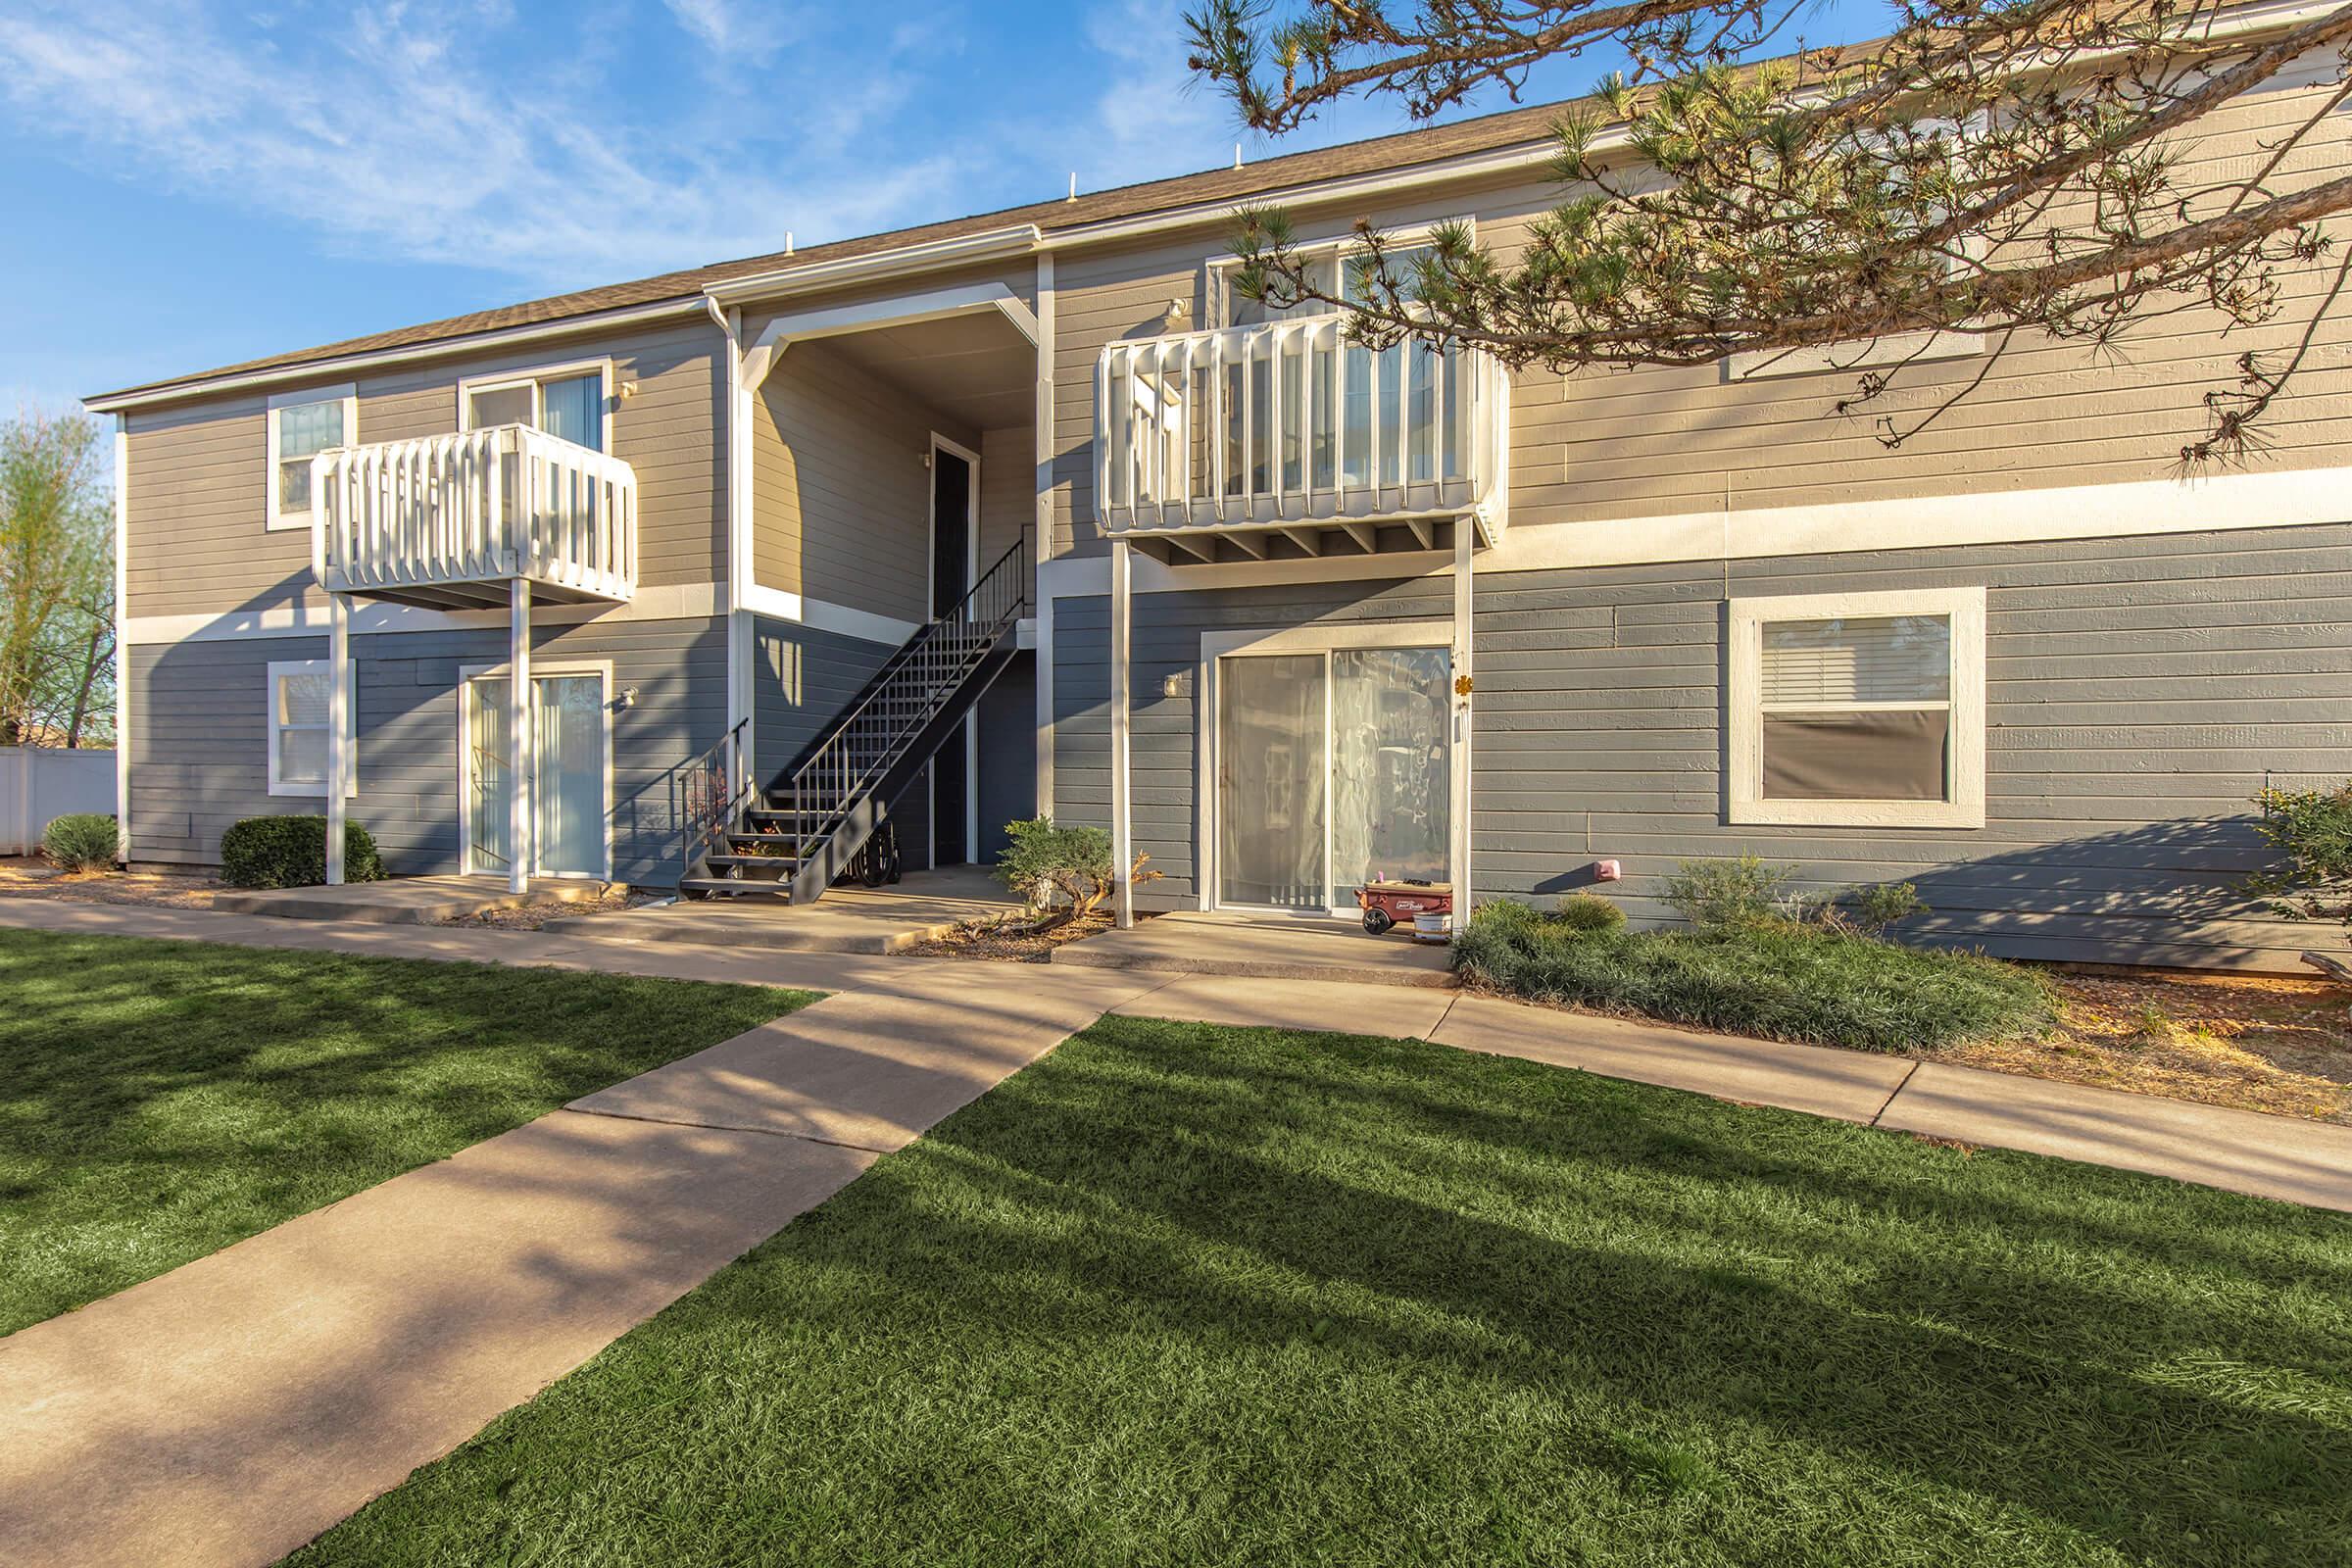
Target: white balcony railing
453,520
1287,423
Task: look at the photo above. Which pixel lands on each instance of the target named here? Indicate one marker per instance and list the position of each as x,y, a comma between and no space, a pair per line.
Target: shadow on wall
2172,892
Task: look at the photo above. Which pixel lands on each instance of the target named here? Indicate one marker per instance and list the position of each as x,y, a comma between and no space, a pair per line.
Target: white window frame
541,670
273,518
1217,271
1964,608
280,668
536,378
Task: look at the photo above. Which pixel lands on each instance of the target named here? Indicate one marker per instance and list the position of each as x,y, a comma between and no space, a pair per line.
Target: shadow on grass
159,1100
1181,1293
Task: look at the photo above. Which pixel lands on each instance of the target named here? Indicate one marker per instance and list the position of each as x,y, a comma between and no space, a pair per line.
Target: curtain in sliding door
570,819
1390,764
490,801
1271,779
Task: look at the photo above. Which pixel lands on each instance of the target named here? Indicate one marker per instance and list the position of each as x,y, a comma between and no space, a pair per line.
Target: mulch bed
1011,936
2251,1042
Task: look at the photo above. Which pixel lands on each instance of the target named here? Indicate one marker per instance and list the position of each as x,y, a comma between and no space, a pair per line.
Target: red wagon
1388,904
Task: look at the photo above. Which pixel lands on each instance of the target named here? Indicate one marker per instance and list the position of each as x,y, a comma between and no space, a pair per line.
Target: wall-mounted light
628,697
628,389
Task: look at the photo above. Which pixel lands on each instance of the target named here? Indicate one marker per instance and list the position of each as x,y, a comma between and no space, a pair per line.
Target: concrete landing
404,900
926,906
1268,947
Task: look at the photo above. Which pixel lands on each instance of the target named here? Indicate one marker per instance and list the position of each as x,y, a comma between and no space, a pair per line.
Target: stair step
784,866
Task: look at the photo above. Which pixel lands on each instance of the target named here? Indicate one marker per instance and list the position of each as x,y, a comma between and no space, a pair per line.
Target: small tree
2002,166
2312,831
56,582
1069,867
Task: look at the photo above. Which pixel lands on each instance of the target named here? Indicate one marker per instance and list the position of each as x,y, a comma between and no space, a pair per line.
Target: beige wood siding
1613,445
1007,490
841,496
198,473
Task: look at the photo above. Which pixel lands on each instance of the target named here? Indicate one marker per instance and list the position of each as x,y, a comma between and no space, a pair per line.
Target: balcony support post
1465,540
518,740
1122,791
339,733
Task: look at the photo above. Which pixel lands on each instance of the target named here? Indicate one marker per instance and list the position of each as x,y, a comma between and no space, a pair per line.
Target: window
301,698
1859,710
303,425
1328,266
567,401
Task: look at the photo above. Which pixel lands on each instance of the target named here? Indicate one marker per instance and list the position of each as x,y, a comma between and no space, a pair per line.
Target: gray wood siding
200,738
841,497
1007,721
2140,691
1613,445
197,493
1008,492
803,677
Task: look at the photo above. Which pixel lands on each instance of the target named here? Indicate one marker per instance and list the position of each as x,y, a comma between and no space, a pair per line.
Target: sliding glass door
1333,768
567,797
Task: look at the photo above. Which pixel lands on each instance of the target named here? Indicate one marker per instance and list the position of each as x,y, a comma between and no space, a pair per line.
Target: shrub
1587,913
1772,979
290,852
82,841
1717,895
2312,831
1045,864
1881,904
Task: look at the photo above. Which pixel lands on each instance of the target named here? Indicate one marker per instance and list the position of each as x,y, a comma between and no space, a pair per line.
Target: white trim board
309,618
2299,498
866,625
898,310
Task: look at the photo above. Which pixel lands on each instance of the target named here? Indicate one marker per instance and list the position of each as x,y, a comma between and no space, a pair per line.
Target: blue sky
191,184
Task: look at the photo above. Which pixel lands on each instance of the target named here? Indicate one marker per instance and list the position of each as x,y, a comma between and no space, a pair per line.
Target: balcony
451,522
1282,439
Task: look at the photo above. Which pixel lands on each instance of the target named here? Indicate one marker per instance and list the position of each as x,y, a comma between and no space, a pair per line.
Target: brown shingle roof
1401,150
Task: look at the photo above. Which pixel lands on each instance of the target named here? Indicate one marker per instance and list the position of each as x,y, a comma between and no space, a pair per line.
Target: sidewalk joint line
714,1127
1452,1002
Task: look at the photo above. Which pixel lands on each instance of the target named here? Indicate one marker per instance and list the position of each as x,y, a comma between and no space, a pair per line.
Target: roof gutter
931,256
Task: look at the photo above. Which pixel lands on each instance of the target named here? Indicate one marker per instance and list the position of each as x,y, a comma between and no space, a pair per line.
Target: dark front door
951,580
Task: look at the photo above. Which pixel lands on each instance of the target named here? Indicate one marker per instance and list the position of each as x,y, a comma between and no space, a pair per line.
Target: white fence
39,784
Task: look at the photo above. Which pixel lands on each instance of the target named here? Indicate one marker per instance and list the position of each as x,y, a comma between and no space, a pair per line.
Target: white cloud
722,26
413,131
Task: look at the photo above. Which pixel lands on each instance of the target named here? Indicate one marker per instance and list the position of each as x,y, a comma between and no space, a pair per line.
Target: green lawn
161,1099
1184,1294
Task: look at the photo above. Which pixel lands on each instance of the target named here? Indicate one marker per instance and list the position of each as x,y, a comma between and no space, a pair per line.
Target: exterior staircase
793,837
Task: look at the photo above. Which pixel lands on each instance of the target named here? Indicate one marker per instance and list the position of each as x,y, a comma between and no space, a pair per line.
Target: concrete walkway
231,1410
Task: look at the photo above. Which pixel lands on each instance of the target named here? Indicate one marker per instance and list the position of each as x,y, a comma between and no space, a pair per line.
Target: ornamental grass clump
81,841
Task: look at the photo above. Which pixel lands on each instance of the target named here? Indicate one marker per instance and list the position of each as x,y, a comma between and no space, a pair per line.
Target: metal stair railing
714,790
863,744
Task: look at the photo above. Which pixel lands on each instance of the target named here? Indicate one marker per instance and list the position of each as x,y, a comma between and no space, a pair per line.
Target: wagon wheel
1376,920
